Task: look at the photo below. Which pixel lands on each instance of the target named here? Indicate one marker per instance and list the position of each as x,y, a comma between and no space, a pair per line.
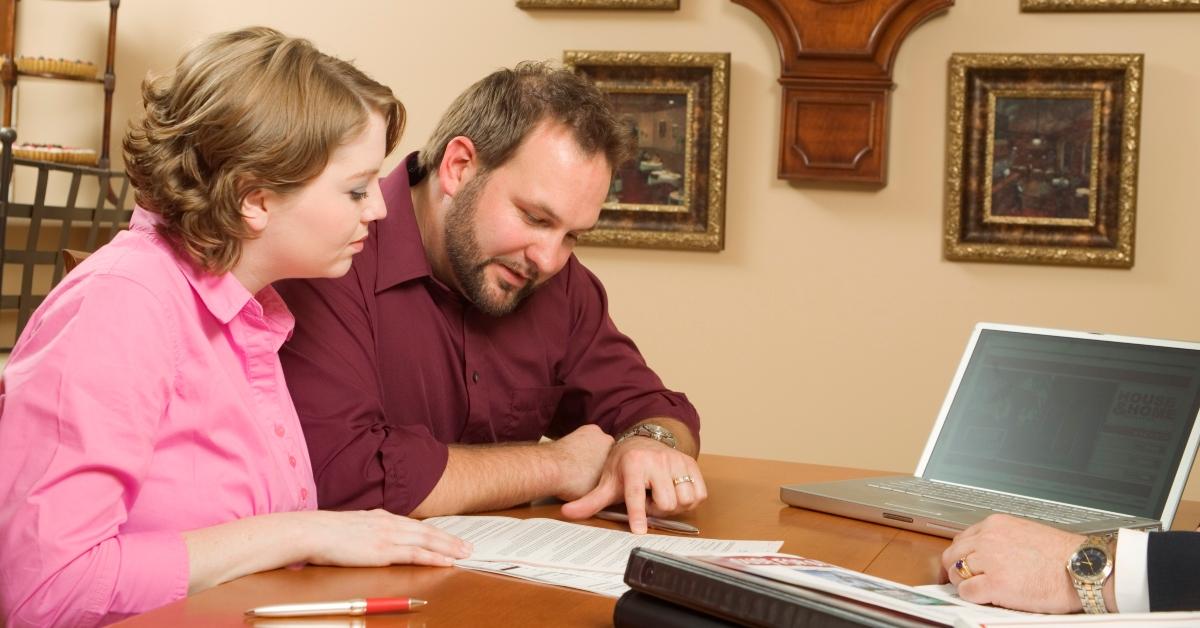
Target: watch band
1092,596
652,431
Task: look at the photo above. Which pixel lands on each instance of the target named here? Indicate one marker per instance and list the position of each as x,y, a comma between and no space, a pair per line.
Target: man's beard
462,248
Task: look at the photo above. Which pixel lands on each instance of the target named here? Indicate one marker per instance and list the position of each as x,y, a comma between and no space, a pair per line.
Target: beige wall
828,329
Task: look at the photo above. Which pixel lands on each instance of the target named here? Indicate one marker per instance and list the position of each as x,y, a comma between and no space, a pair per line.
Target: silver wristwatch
650,430
1089,567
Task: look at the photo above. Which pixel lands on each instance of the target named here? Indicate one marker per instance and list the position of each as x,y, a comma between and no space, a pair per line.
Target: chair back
46,207
71,259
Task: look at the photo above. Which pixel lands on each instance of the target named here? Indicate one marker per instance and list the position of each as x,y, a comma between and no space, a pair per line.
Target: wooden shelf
62,77
61,165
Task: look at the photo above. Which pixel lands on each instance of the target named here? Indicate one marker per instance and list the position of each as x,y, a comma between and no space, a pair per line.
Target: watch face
1089,563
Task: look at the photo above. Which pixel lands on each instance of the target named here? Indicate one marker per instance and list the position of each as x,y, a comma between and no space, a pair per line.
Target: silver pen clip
653,522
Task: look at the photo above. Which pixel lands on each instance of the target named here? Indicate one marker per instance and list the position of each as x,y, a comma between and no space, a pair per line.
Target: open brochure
570,554
1116,620
931,602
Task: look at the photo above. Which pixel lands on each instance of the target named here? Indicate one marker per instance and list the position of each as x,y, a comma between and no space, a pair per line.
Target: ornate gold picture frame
662,5
1110,5
671,194
1042,154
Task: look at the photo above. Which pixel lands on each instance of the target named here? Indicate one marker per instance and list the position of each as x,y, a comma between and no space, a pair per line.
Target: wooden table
743,504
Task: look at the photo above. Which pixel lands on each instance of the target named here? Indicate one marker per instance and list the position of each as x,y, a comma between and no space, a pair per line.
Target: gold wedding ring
683,479
963,569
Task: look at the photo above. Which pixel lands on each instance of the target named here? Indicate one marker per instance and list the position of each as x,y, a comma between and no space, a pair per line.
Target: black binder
641,610
662,583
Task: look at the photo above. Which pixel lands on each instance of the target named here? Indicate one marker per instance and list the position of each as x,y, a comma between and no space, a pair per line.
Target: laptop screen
1084,421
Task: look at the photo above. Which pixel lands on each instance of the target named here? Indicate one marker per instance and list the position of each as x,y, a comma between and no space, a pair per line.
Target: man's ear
254,209
460,163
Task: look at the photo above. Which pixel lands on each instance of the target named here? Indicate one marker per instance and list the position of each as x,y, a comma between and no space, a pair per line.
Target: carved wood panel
836,61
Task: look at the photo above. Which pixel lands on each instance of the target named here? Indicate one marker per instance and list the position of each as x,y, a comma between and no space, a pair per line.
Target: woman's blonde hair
246,110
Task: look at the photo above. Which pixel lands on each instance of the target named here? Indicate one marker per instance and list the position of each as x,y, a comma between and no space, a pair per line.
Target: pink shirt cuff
154,571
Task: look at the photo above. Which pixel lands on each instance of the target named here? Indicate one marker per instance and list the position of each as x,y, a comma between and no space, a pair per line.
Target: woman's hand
349,539
377,537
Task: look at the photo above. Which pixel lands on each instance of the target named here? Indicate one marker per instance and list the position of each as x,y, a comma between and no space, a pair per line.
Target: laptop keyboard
1021,506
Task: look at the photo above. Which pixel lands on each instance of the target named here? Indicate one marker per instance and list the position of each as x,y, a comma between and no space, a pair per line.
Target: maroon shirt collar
399,252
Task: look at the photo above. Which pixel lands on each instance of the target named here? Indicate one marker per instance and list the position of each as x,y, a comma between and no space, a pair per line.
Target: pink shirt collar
223,295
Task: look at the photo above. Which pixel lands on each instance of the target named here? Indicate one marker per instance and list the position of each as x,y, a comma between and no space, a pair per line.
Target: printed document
932,602
571,554
936,602
1186,619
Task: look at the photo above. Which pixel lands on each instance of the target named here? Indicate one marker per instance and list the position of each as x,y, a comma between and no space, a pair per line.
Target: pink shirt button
303,494
278,430
292,461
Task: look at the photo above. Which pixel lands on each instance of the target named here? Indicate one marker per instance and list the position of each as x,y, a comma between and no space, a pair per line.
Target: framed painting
1042,155
1110,5
671,194
665,5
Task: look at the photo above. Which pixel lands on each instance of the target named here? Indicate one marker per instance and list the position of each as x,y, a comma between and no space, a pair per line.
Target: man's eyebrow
545,209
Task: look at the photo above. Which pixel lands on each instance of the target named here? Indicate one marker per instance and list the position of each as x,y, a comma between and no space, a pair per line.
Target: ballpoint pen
327,621
368,606
653,522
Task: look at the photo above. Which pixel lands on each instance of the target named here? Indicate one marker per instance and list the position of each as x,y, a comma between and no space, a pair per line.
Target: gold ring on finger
963,569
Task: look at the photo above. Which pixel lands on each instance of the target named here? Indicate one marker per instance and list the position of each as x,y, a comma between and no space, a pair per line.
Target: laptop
1083,431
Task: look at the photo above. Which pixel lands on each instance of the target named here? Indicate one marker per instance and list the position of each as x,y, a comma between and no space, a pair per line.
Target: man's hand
1017,564
634,465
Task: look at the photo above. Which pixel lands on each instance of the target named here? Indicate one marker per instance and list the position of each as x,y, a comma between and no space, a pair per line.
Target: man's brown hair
246,110
498,112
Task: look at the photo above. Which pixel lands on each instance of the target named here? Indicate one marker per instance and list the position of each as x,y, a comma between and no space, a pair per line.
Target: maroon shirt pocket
530,412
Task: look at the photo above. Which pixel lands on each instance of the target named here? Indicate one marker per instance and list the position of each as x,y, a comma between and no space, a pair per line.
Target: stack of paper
570,554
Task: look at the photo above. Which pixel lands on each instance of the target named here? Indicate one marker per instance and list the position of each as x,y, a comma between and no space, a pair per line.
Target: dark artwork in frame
1041,158
671,193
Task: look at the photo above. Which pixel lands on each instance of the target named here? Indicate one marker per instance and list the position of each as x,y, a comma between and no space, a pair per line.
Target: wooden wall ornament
836,61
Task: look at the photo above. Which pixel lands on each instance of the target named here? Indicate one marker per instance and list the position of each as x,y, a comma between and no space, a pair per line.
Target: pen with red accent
368,606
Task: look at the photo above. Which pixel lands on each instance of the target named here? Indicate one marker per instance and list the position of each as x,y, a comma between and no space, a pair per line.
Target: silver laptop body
1086,432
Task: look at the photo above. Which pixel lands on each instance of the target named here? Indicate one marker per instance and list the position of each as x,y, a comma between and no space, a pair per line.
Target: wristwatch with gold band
1089,567
651,430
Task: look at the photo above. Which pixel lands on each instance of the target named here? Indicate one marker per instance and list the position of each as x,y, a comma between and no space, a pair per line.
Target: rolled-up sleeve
611,385
360,459
79,415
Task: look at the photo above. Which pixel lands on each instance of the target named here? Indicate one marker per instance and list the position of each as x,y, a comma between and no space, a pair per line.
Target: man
1016,563
466,330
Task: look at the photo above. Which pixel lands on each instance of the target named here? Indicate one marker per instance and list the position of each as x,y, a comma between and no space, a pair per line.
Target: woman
148,445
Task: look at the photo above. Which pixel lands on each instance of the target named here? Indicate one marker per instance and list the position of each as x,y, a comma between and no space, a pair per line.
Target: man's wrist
1110,589
554,466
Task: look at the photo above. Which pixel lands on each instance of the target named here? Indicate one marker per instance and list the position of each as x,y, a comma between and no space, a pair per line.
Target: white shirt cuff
1131,585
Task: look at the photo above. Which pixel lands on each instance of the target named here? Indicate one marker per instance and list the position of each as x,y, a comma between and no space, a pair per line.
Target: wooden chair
56,207
71,259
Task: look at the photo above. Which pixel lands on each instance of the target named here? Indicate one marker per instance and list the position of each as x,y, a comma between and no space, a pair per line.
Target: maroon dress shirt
387,365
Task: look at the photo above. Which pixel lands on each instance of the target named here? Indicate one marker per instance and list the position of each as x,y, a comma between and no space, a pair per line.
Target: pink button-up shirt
144,399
